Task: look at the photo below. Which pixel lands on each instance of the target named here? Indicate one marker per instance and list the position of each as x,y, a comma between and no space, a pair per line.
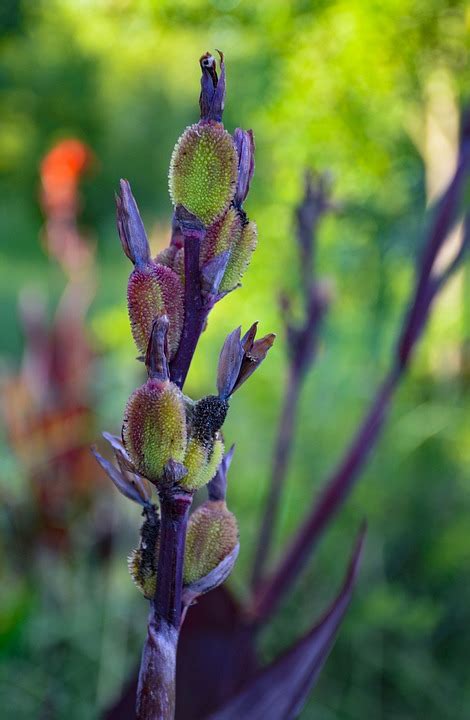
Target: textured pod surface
144,577
221,235
152,291
203,171
154,429
212,535
240,257
201,462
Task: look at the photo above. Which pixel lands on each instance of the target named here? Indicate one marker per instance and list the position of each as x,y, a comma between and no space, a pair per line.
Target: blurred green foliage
333,85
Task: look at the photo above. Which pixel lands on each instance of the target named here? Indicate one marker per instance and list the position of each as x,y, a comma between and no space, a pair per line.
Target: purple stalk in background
302,343
428,283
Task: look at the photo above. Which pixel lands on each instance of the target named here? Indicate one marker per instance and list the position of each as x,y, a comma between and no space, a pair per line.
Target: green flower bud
221,235
203,170
240,256
201,461
212,535
154,429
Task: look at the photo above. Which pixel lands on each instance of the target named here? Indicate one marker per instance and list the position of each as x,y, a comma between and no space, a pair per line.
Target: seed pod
203,170
208,416
221,235
154,429
240,256
201,461
142,562
154,290
212,535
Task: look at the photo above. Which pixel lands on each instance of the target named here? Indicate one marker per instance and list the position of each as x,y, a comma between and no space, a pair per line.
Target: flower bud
142,562
240,256
154,429
221,235
201,461
203,170
212,536
154,290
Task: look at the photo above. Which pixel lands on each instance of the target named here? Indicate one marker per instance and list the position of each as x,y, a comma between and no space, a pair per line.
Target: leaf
128,486
279,691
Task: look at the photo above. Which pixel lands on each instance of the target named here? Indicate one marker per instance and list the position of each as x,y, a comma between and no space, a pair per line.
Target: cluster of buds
169,441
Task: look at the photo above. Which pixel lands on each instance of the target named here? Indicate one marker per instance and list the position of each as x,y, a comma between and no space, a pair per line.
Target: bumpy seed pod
240,256
142,562
154,290
154,429
222,235
208,416
212,535
201,461
205,446
203,170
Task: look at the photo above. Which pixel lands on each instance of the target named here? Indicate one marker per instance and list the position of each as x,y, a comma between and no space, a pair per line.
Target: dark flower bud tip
239,359
130,227
212,97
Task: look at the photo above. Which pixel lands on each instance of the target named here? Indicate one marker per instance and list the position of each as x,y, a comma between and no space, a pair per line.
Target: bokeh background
370,91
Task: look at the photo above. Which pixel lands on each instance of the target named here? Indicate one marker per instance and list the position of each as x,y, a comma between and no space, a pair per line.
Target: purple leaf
126,486
279,691
213,579
127,468
212,273
130,227
216,657
245,144
230,361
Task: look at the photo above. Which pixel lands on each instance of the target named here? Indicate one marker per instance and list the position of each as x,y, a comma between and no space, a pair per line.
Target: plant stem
302,340
195,313
331,499
156,689
269,593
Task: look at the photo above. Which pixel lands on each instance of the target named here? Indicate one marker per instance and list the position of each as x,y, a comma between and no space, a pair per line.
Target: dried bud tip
156,358
130,227
246,354
230,361
212,97
245,145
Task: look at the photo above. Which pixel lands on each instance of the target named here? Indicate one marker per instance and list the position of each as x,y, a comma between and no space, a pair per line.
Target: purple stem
302,343
282,452
331,499
195,311
156,688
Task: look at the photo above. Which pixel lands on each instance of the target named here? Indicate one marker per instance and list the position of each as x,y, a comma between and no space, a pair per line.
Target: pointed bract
129,486
245,144
279,690
130,227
